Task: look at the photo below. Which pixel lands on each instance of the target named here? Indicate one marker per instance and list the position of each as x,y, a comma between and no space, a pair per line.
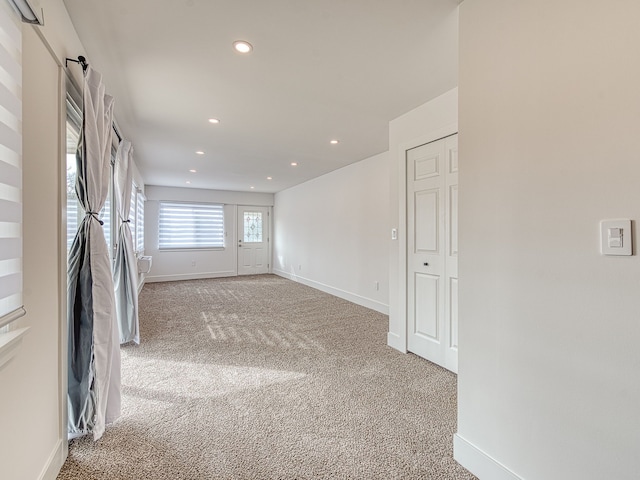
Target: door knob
426,264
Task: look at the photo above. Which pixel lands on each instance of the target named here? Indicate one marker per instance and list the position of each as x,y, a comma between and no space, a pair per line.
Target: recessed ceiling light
334,142
294,164
269,178
242,46
252,187
199,152
214,120
193,170
187,182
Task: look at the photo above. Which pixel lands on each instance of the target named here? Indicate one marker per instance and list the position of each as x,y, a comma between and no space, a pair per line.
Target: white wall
549,328
431,121
178,265
332,232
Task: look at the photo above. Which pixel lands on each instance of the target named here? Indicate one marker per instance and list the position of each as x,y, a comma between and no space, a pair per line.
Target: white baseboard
352,297
394,341
478,462
55,462
188,276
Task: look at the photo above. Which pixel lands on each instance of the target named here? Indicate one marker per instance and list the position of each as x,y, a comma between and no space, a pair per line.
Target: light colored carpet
263,378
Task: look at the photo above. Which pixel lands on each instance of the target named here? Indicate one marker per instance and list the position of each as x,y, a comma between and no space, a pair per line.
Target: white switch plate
394,234
613,241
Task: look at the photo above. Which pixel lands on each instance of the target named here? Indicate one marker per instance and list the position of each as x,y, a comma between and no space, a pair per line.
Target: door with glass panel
253,240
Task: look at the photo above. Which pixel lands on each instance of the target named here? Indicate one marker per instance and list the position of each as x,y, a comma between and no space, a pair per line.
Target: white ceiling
320,69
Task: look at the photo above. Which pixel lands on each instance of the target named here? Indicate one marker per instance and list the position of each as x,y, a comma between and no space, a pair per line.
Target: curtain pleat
94,354
125,272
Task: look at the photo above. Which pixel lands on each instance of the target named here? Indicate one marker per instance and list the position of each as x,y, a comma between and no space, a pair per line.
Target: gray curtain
125,271
94,353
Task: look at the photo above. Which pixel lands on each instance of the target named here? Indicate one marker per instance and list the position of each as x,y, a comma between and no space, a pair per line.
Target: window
10,169
132,212
105,216
74,210
191,225
136,218
139,222
252,227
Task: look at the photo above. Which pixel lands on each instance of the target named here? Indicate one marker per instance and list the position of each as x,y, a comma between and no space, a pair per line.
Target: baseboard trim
394,341
352,297
188,276
54,463
478,462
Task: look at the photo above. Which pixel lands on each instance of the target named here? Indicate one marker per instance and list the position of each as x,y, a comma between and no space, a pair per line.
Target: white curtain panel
94,353
125,271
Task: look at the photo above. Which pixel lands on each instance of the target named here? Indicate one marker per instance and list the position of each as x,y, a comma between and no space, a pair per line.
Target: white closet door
432,190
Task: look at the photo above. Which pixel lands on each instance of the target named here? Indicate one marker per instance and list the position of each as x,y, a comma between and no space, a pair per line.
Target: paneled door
253,240
432,251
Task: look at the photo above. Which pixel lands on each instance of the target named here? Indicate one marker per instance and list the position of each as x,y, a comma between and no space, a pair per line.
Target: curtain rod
81,60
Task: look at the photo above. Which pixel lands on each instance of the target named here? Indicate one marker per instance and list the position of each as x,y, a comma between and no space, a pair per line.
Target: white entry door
432,251
253,240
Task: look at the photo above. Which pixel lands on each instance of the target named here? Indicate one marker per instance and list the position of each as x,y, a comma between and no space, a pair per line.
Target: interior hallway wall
332,232
549,327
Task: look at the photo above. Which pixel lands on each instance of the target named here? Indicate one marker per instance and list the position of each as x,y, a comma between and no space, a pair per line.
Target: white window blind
74,210
139,222
105,216
10,166
132,212
191,225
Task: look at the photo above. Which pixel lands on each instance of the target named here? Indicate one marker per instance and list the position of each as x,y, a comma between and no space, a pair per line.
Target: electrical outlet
376,285
299,267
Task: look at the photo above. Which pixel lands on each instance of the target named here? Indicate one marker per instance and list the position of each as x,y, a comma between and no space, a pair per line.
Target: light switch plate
615,237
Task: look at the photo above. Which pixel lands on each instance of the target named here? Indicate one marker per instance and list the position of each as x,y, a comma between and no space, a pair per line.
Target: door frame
269,234
399,341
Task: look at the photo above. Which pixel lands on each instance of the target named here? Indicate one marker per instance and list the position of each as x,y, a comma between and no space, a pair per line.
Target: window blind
74,210
139,221
132,212
10,166
191,225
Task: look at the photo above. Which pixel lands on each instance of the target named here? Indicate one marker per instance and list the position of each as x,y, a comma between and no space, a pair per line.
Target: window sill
10,344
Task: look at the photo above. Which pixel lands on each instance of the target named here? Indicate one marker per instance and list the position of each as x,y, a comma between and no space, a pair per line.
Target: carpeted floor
263,378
